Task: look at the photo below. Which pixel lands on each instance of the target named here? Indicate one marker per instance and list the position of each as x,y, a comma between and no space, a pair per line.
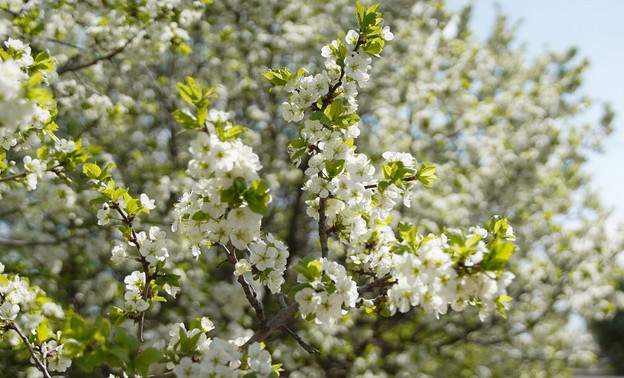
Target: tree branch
250,293
72,65
41,366
308,348
273,325
380,282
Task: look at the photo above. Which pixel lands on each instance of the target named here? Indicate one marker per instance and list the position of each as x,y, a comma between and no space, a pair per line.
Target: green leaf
257,196
334,168
187,344
321,117
407,232
426,174
187,120
383,185
132,206
387,172
239,185
231,197
91,170
500,304
298,143
282,75
360,12
40,95
335,110
186,93
229,133
126,231
42,332
374,47
500,253
310,269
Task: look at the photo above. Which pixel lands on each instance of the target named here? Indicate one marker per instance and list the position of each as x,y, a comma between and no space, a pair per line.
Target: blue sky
597,30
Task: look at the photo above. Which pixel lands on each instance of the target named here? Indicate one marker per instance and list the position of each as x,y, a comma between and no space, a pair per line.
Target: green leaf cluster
256,196
96,342
395,172
335,116
499,247
310,269
426,174
198,96
102,181
281,76
370,31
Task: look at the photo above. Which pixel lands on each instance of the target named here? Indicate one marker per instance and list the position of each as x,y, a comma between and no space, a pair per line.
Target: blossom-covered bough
367,266
143,300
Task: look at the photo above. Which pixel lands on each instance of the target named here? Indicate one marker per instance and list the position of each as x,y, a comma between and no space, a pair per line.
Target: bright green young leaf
334,168
186,120
91,170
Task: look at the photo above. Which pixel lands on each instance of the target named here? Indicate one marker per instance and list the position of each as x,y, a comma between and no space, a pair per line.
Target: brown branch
169,374
24,174
135,240
380,282
308,348
41,366
250,293
273,325
71,66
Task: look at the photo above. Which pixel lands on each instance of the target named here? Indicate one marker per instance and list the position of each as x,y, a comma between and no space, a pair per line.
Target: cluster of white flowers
201,214
270,256
52,353
15,295
325,299
154,248
306,90
220,358
429,278
135,287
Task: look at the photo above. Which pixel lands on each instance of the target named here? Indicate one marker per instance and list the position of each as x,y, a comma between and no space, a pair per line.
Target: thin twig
24,174
30,349
380,282
308,348
135,240
250,293
164,375
273,325
70,66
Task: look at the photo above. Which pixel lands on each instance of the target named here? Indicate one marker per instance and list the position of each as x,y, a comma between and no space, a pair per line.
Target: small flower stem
41,366
135,240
